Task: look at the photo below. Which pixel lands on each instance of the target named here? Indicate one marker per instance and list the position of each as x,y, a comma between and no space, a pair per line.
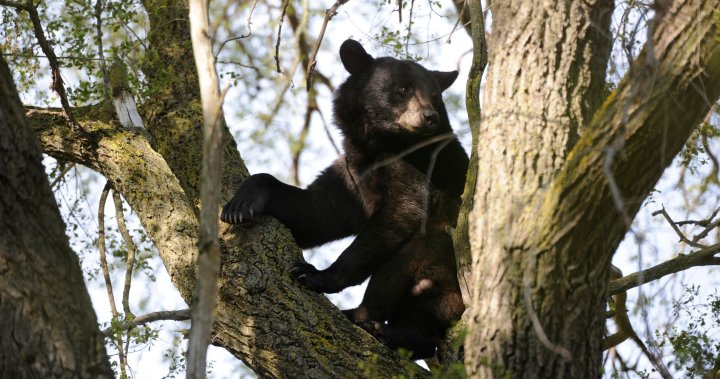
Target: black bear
397,188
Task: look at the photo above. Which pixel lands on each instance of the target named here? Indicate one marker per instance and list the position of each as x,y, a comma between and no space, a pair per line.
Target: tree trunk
49,328
561,177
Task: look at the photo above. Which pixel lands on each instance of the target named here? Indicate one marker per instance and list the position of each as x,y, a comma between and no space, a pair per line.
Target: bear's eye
404,90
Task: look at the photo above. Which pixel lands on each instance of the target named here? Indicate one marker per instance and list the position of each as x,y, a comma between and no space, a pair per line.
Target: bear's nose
431,116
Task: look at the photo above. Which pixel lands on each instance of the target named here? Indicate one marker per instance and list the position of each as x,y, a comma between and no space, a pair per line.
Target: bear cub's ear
354,57
444,78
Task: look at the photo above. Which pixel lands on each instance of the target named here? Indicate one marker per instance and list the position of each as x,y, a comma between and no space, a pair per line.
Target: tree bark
49,326
550,212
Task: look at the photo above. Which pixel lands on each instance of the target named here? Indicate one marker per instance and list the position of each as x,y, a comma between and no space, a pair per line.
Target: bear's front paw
312,278
249,200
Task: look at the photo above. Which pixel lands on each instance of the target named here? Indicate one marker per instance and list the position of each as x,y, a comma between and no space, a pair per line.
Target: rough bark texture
49,328
545,222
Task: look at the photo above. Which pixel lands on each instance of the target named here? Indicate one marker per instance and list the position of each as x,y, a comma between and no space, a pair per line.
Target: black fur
396,132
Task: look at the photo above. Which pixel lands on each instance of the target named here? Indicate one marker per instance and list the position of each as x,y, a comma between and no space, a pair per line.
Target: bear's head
389,102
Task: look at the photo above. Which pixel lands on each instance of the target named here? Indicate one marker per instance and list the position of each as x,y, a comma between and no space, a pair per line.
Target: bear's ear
354,57
444,78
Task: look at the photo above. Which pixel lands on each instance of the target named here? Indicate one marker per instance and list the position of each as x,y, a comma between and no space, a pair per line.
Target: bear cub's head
388,101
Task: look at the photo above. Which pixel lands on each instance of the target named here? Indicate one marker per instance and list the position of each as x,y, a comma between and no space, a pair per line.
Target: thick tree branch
125,157
657,104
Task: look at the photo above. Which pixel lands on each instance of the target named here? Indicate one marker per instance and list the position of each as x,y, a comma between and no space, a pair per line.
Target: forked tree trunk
48,326
545,222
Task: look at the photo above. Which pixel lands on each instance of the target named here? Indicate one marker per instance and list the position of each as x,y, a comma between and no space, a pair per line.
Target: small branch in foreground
205,292
702,257
329,14
177,315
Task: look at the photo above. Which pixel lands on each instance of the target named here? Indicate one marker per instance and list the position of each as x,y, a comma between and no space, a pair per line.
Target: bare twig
131,250
101,54
329,14
327,132
706,231
106,274
676,229
61,175
409,29
249,33
703,223
409,150
178,315
428,179
277,42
